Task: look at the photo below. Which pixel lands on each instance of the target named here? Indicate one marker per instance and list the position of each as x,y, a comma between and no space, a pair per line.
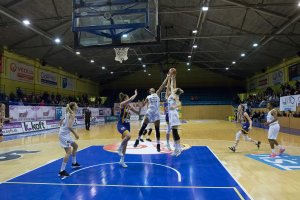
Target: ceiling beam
254,8
38,21
14,3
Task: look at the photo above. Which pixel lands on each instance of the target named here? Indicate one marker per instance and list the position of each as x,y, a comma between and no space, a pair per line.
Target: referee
87,118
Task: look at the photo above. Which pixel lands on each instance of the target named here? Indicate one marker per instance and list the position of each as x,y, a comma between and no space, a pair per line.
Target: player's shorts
174,118
167,117
122,127
65,140
245,127
273,131
153,116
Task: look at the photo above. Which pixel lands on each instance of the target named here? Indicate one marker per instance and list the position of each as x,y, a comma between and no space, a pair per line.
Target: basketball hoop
121,54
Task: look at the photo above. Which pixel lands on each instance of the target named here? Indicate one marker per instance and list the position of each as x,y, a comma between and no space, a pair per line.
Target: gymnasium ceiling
227,29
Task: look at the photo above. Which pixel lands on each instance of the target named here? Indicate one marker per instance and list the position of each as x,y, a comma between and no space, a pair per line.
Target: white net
121,54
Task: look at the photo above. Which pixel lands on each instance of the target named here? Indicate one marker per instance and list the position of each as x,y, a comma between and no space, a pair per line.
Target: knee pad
175,134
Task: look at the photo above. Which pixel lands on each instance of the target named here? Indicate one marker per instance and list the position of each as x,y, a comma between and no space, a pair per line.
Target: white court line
38,167
178,173
230,173
129,186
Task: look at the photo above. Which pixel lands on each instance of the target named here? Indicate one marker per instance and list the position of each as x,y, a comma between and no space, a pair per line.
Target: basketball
172,71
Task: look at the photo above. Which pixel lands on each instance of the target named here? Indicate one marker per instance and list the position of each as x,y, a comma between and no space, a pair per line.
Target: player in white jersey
174,121
274,127
152,114
66,140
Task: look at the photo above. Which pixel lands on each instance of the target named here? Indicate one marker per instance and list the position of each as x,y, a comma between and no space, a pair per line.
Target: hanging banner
277,77
1,64
48,78
263,81
289,103
252,84
22,113
67,83
20,71
294,72
45,113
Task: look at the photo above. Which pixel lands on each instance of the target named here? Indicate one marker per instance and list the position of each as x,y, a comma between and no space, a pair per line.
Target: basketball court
54,52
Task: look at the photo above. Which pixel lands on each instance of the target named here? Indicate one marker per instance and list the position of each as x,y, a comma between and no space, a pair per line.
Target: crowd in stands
46,99
194,98
260,100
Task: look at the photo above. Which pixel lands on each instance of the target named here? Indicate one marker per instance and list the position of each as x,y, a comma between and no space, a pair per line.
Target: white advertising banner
22,113
48,78
20,71
34,126
12,128
45,113
289,103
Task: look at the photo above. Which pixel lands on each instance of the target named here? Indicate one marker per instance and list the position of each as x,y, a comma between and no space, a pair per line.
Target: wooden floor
260,180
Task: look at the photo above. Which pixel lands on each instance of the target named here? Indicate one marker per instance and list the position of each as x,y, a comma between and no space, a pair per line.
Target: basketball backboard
111,23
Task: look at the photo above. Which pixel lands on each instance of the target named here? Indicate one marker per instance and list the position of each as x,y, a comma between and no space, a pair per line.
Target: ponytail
122,96
69,107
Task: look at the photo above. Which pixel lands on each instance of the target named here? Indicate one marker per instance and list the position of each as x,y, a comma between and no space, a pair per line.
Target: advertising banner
52,124
1,64
20,71
68,83
294,72
34,126
263,81
22,113
289,103
277,77
45,113
48,78
12,128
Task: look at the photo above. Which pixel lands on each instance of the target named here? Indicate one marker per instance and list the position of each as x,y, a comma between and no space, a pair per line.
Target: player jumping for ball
173,114
152,114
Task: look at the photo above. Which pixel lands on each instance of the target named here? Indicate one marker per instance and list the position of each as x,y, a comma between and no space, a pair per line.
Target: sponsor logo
283,162
288,100
23,115
20,69
13,67
46,114
34,126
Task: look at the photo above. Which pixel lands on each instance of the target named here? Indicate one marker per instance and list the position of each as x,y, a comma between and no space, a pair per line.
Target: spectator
42,103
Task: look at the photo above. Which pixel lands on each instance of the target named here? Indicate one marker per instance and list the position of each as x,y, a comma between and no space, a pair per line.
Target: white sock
279,146
63,166
273,151
73,159
122,159
158,141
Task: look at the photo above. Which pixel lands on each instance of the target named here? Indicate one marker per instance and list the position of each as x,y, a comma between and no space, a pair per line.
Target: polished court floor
260,179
